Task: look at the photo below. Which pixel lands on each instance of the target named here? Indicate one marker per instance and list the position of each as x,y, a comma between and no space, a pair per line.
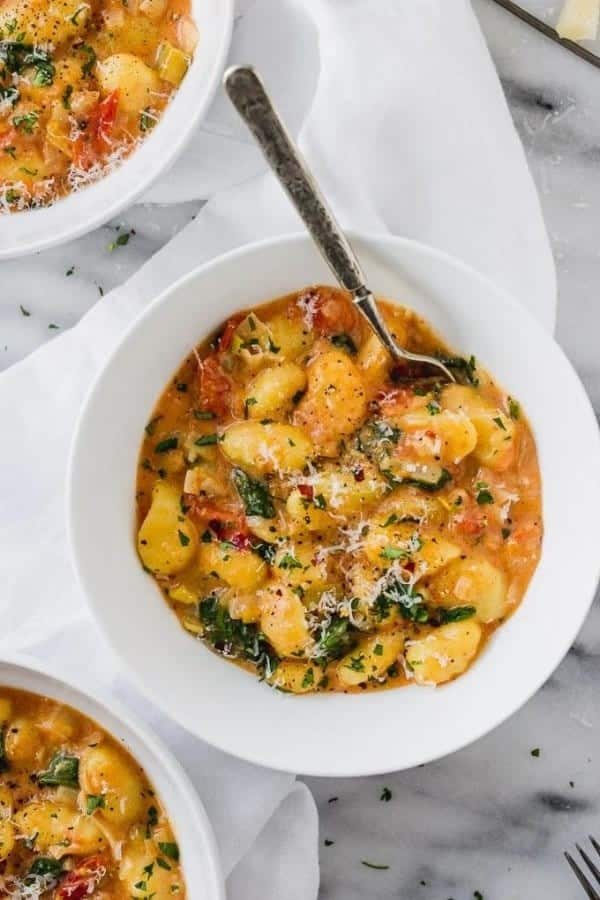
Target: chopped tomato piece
83,879
93,143
7,138
215,386
307,491
332,311
470,520
226,336
225,518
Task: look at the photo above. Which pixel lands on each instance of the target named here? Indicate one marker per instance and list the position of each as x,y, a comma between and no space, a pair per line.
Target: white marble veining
492,818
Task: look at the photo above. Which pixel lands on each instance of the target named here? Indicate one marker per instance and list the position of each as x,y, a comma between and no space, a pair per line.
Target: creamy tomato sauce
82,82
78,816
330,519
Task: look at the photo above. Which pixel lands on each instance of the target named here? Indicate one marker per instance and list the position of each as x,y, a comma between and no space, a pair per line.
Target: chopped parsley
206,440
120,241
372,865
94,802
288,561
433,408
184,539
386,795
46,865
169,849
536,752
26,122
166,445
24,312
234,637
309,678
514,410
483,495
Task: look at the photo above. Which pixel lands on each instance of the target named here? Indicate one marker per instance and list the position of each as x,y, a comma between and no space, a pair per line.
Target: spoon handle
249,96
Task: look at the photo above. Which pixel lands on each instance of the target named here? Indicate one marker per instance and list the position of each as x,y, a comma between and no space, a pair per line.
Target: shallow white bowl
329,734
37,229
199,854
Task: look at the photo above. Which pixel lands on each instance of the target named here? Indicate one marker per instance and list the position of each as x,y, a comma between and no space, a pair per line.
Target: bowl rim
130,723
378,240
73,224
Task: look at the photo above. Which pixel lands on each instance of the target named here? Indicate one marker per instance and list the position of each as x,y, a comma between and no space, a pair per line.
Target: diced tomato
83,879
397,400
104,117
7,138
333,312
470,521
215,386
307,491
93,143
227,334
225,519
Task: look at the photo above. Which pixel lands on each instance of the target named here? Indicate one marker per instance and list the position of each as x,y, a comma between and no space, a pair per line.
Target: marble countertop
491,820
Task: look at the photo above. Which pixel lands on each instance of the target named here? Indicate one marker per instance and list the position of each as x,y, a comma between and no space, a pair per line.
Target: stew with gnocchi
331,519
78,816
82,82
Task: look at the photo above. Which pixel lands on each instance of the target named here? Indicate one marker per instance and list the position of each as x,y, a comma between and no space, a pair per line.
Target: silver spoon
247,93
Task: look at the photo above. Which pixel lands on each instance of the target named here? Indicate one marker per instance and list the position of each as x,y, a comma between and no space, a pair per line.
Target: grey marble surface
493,818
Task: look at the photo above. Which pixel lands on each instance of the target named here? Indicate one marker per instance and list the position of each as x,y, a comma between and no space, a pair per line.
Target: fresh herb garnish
26,122
62,770
309,678
94,802
336,639
483,495
254,495
184,539
514,410
536,752
386,795
90,59
206,440
24,312
288,561
46,865
169,849
455,613
465,368
166,445
147,119
202,414
372,865
433,408
151,426
121,240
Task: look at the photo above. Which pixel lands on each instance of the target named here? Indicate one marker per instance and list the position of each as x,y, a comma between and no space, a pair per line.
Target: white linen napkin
401,115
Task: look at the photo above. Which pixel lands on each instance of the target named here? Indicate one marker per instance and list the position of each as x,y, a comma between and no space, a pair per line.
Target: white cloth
402,117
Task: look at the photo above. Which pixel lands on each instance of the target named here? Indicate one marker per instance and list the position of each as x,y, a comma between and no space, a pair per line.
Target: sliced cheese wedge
579,20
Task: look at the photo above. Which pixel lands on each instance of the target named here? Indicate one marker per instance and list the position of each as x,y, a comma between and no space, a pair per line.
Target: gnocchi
77,810
353,524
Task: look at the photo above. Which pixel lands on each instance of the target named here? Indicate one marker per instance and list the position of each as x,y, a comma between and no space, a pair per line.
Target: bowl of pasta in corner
293,542
96,100
91,803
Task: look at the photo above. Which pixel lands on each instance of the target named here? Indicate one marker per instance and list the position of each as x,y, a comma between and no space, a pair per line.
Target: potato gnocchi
328,519
81,85
78,817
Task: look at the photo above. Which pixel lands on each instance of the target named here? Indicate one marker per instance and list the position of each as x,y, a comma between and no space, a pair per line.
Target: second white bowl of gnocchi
322,522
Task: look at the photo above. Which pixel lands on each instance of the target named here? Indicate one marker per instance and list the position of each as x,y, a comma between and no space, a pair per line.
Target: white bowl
199,854
37,229
335,734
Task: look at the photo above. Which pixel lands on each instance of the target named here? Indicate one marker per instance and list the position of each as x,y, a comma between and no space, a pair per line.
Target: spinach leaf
254,495
234,637
46,865
465,369
62,769
335,641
